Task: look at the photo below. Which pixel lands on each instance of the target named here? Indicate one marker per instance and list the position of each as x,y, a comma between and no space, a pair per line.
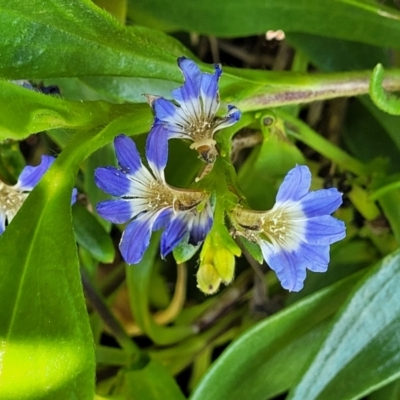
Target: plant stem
305,134
269,89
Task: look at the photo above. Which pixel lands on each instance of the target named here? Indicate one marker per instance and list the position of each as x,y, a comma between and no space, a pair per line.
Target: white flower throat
11,200
283,225
159,195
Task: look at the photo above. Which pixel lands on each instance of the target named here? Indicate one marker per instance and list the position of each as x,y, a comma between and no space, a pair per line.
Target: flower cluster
294,235
12,197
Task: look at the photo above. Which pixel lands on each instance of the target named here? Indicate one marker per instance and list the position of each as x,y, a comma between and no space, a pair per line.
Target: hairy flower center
274,224
158,196
201,129
10,200
277,225
202,132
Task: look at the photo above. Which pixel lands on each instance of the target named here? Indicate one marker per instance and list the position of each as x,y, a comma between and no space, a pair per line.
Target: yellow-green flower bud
224,262
208,280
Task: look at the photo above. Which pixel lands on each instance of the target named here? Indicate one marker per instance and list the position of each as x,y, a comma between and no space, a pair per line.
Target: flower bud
224,262
208,280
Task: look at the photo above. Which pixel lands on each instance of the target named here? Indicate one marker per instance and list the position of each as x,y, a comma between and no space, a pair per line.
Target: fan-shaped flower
148,203
12,197
193,116
296,233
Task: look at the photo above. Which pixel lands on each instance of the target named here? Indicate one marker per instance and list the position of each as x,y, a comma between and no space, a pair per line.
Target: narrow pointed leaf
240,372
360,352
361,21
46,345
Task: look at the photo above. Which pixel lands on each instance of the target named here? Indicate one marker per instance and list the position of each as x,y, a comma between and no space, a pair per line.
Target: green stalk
305,134
255,90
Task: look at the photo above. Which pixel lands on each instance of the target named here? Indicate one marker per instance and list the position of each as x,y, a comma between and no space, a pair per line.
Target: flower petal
163,219
112,181
201,225
188,95
290,273
157,149
209,92
116,211
174,233
166,111
316,258
30,176
2,223
324,230
321,202
127,155
231,118
136,238
295,185
74,196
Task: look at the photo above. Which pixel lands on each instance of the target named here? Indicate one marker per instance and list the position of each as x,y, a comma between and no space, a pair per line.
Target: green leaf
153,382
184,251
46,343
388,392
60,38
91,235
117,8
330,54
360,351
360,21
239,373
26,111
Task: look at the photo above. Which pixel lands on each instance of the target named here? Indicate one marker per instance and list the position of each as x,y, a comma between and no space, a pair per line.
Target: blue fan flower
193,116
148,203
296,233
12,197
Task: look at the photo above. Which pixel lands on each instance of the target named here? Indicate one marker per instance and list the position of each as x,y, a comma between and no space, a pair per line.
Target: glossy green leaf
282,369
330,54
360,351
26,111
46,345
388,392
91,235
153,382
117,8
239,373
75,39
355,20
